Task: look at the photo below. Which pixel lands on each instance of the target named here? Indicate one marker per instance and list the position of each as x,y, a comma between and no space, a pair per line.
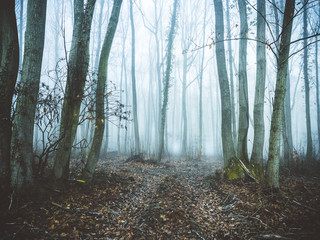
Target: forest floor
177,199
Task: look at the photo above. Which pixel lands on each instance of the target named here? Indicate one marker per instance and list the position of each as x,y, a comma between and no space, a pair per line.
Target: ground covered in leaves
138,199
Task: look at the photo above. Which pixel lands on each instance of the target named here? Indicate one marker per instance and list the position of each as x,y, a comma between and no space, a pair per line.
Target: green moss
257,172
234,170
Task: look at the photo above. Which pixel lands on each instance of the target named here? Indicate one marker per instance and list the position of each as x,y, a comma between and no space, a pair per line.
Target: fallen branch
266,225
247,171
300,204
272,236
199,235
59,206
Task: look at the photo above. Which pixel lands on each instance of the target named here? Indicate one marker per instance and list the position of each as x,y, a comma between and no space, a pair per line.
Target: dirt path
174,200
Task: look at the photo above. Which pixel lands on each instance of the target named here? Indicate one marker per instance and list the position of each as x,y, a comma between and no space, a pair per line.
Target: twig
307,190
300,204
247,171
272,236
256,211
260,222
198,234
59,206
11,200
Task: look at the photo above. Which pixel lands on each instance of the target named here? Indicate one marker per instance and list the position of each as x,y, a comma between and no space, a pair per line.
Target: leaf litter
136,198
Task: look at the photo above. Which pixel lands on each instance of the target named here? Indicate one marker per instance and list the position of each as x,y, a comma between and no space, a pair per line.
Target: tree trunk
167,80
287,129
20,34
258,110
184,107
200,83
9,64
232,169
233,114
306,82
243,85
23,126
94,153
276,124
134,91
123,62
318,92
76,78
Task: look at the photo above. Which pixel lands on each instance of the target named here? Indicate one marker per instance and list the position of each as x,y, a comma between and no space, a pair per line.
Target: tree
317,84
287,128
134,91
9,64
94,153
229,154
200,83
276,120
258,111
187,28
243,85
76,77
306,81
22,135
230,60
167,79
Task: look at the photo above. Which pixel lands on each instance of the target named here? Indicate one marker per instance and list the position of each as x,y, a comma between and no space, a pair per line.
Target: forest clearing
177,199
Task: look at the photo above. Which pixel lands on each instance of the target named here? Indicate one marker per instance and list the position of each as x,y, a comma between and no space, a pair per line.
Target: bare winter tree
134,90
77,72
94,153
276,121
306,81
226,125
243,85
258,111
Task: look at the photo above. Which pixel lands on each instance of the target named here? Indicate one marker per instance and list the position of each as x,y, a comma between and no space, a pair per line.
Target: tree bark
287,128
232,169
318,92
184,107
167,80
201,84
233,114
134,90
258,110
76,78
94,153
276,121
243,85
9,64
306,82
23,125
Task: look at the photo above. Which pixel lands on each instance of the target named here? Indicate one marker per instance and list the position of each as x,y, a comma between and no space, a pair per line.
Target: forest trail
177,199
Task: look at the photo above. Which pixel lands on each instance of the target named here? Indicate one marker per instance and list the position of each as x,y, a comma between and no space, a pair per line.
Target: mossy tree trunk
167,79
23,126
94,153
9,64
276,120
